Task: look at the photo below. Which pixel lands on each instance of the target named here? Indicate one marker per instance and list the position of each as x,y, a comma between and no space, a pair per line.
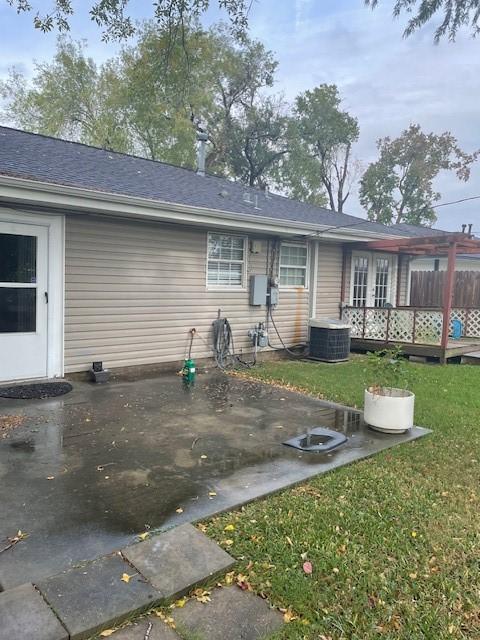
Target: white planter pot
390,413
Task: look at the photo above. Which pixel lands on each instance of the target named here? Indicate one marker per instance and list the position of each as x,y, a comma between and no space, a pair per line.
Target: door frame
372,256
55,225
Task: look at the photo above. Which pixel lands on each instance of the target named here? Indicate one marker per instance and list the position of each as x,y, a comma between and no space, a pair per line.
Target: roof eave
34,193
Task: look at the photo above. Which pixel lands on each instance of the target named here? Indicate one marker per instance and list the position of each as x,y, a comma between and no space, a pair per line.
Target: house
110,257
467,262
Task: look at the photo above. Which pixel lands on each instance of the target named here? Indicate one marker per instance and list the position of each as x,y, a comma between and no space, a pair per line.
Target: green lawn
394,540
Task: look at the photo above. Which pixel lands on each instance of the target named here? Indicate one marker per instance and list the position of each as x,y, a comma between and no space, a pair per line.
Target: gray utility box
329,340
258,290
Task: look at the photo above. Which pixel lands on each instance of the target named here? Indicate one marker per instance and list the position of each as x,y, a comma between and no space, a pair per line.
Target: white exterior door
23,301
371,280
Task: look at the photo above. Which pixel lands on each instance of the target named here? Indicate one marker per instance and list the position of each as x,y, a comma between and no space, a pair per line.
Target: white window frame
227,287
372,258
305,287
368,256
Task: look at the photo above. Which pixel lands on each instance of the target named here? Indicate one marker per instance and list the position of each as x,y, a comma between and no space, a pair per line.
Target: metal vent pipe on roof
202,138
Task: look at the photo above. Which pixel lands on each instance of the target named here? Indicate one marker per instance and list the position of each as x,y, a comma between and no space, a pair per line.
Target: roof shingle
45,159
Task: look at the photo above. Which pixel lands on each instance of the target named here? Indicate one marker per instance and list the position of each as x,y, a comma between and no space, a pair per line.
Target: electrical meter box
273,293
258,290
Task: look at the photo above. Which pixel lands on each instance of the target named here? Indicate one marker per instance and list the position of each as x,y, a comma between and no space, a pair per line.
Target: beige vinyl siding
133,290
329,280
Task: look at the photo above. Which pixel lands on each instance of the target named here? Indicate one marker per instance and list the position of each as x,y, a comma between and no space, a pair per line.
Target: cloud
386,81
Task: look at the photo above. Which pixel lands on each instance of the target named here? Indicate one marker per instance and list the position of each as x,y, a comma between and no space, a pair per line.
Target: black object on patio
36,391
318,439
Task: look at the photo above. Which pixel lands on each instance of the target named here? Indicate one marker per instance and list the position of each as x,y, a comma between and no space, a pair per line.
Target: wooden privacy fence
427,289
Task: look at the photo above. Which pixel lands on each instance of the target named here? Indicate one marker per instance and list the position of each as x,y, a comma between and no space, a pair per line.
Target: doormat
36,391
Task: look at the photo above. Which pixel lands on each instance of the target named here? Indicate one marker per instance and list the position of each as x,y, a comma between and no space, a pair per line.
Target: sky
386,81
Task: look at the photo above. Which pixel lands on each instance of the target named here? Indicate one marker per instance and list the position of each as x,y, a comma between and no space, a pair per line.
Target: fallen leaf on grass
167,619
201,595
229,577
227,543
243,583
307,567
289,540
288,615
179,604
229,527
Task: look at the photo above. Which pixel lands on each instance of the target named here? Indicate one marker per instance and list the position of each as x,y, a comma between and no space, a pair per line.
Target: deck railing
414,325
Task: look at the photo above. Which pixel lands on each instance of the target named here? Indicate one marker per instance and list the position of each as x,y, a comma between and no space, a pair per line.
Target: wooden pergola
448,244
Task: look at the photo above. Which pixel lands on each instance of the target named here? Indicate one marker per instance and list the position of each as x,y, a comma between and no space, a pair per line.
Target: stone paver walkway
83,601
232,614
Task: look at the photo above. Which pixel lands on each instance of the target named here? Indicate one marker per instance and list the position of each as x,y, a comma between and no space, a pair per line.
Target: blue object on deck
457,328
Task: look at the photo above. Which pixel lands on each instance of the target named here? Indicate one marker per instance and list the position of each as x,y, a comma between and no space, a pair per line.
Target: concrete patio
87,472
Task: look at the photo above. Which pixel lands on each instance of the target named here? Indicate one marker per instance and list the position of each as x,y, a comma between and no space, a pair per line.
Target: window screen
226,259
293,265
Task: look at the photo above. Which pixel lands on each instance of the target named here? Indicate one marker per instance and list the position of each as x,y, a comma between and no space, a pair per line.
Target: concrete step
176,561
101,594
232,613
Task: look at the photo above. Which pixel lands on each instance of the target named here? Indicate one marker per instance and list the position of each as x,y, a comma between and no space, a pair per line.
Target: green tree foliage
259,140
151,104
454,14
239,75
69,98
153,97
113,18
398,187
320,159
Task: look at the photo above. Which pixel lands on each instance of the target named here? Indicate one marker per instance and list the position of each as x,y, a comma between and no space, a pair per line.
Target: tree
68,98
456,14
239,74
139,102
259,140
398,187
113,18
159,98
320,154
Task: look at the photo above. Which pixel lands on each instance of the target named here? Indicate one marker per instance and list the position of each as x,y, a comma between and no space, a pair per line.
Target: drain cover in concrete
93,597
232,614
318,440
178,559
25,614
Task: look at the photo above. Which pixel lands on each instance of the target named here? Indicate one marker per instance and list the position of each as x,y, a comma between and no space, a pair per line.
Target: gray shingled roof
417,231
42,158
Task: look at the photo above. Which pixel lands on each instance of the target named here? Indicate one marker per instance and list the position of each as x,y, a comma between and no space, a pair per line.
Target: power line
433,206
445,204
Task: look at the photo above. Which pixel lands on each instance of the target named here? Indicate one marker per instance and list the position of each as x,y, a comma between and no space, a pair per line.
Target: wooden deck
455,348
